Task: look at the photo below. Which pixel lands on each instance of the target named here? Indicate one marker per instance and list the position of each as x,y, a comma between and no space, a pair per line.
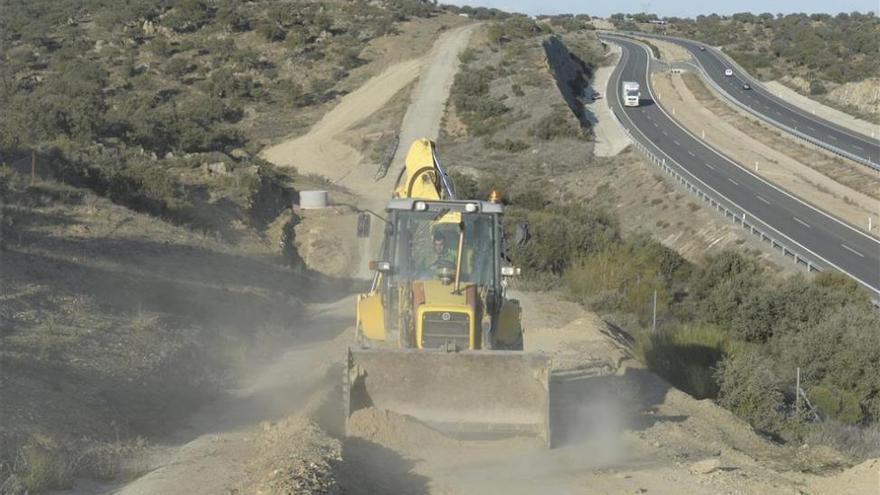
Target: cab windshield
426,243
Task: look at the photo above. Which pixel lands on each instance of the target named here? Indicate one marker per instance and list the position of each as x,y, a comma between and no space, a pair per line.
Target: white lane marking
710,166
872,288
832,137
690,153
844,246
664,133
859,147
676,142
798,220
762,199
735,183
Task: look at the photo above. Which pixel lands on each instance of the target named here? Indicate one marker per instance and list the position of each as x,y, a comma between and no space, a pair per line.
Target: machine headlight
420,206
470,207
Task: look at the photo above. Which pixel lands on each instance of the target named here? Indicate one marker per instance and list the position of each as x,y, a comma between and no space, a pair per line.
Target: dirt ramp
862,478
297,457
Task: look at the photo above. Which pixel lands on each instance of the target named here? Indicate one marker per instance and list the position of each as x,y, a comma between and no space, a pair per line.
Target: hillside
170,321
609,232
131,101
150,263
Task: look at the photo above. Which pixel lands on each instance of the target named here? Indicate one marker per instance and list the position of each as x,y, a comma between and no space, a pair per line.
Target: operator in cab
443,255
439,257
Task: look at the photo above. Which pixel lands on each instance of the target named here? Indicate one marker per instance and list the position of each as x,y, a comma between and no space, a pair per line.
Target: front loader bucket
472,393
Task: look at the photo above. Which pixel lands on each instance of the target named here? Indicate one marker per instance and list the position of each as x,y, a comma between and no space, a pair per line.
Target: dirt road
618,428
322,152
215,450
225,446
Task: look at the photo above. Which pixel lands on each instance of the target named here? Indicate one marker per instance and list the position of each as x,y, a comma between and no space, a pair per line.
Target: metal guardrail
389,156
798,134
793,131
717,201
730,210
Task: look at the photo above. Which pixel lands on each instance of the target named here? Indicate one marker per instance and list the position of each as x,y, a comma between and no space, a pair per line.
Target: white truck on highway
630,94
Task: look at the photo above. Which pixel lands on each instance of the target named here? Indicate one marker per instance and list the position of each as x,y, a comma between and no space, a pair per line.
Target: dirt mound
394,430
863,95
298,457
862,478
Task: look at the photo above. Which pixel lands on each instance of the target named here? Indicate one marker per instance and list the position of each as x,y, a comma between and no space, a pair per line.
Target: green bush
558,235
46,465
178,67
840,405
624,277
271,30
467,56
532,199
686,355
477,109
558,124
411,8
514,28
749,387
224,83
188,15
231,17
511,146
817,88
839,352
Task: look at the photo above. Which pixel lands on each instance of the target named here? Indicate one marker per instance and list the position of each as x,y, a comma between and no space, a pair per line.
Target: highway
826,240
863,149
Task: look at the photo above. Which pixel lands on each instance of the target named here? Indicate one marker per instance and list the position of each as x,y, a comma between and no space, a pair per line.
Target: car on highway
702,48
747,86
728,72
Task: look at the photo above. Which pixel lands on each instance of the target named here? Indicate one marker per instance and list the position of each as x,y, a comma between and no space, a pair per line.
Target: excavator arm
423,176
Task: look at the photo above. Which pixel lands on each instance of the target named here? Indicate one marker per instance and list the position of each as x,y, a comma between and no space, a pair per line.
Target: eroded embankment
572,75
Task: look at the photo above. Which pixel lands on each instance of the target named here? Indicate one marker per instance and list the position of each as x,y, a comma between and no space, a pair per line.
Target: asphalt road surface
771,106
814,233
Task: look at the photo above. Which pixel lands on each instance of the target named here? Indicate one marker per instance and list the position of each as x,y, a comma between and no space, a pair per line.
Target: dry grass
115,325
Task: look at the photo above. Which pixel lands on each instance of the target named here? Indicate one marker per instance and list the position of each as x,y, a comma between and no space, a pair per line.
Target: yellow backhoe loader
438,338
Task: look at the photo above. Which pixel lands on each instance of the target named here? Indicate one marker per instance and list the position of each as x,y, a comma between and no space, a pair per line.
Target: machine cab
440,278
